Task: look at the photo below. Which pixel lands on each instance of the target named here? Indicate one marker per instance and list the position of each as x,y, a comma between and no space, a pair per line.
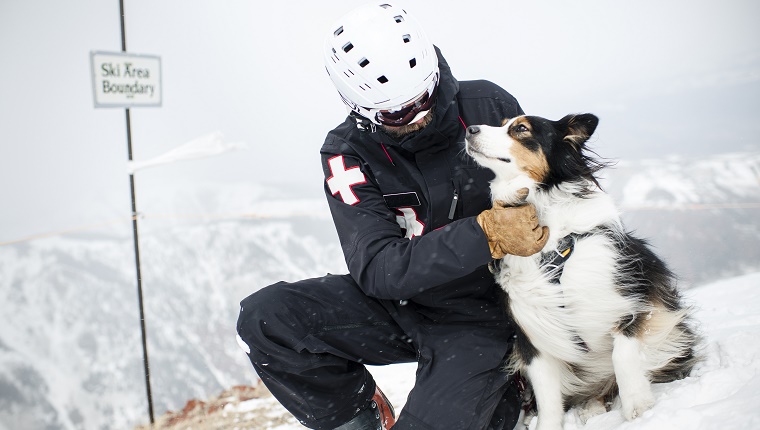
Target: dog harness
554,262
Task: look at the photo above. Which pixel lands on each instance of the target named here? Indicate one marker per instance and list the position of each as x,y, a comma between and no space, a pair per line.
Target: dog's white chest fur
577,313
574,321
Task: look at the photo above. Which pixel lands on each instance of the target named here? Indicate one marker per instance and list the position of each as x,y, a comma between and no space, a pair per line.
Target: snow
722,392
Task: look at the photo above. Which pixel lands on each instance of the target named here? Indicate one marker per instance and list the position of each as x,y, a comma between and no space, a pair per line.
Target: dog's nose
473,129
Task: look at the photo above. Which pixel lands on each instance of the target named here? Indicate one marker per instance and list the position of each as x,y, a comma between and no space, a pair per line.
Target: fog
677,78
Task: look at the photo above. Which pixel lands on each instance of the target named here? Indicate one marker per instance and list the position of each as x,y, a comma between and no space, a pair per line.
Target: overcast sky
666,77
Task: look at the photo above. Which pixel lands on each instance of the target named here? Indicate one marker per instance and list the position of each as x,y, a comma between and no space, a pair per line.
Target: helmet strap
363,123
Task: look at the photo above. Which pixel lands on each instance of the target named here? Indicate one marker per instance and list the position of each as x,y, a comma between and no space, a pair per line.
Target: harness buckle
554,262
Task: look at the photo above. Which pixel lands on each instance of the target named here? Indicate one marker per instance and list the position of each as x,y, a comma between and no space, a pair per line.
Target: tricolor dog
599,313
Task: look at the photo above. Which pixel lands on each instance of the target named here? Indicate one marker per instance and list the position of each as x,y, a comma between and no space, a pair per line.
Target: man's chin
409,128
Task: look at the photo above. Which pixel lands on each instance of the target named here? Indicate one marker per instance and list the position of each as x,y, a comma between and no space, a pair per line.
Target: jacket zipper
453,207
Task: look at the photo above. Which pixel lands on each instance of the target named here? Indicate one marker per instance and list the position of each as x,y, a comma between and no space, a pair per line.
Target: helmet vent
347,47
363,62
399,19
339,31
407,38
412,63
385,6
382,79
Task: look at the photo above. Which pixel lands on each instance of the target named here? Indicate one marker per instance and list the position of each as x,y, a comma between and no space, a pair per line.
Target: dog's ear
576,129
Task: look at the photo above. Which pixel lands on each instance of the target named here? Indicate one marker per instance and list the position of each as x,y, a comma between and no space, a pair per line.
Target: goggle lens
405,114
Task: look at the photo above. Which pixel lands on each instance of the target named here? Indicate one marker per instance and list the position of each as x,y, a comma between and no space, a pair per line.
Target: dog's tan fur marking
531,162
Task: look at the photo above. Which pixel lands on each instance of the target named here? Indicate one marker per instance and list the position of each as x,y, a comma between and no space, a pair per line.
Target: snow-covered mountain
702,215
70,347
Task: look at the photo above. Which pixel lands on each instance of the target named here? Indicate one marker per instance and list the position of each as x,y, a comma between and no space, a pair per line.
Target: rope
230,216
68,230
168,216
693,207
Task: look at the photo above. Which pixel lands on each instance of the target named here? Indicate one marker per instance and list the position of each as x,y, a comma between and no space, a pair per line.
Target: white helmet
380,59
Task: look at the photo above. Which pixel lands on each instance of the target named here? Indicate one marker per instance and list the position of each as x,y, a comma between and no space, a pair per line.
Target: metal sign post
127,80
139,275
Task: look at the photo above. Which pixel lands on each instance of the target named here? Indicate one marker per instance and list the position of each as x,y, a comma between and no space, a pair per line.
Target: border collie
598,312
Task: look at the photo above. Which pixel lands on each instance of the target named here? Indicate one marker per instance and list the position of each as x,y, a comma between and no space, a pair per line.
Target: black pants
309,341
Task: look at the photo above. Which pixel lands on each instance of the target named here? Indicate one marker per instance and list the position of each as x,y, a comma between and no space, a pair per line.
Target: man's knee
268,315
262,302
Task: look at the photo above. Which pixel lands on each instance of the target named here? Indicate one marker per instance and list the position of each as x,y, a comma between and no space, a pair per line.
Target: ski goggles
408,112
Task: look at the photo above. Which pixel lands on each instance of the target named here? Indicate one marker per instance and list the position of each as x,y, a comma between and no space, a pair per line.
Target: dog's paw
549,425
637,403
550,421
591,409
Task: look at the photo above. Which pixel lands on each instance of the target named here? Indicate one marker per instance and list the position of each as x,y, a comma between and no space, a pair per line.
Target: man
413,218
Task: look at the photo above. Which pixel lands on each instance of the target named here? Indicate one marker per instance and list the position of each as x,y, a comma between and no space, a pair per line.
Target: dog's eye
521,128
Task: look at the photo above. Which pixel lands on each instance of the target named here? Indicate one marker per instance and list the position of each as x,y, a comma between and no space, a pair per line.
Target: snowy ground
723,391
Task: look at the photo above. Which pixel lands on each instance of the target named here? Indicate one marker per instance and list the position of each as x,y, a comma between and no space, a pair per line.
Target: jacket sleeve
381,260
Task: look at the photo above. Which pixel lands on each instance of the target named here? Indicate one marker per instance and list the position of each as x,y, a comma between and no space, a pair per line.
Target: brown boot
384,408
378,416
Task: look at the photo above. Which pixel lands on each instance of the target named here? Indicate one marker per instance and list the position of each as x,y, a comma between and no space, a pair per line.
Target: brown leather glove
513,230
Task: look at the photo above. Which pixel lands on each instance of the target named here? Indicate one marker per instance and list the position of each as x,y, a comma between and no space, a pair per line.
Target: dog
598,312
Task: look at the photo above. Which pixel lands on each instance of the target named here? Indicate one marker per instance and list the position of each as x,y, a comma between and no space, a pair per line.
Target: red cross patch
343,179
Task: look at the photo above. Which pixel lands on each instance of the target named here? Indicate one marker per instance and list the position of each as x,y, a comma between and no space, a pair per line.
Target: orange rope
208,217
68,230
222,216
693,206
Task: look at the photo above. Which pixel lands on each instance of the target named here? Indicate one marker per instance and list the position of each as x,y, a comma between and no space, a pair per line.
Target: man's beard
409,128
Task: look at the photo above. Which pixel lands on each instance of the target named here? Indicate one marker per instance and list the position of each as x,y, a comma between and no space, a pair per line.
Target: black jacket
391,201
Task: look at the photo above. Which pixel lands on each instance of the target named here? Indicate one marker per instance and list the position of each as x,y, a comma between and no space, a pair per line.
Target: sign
125,80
